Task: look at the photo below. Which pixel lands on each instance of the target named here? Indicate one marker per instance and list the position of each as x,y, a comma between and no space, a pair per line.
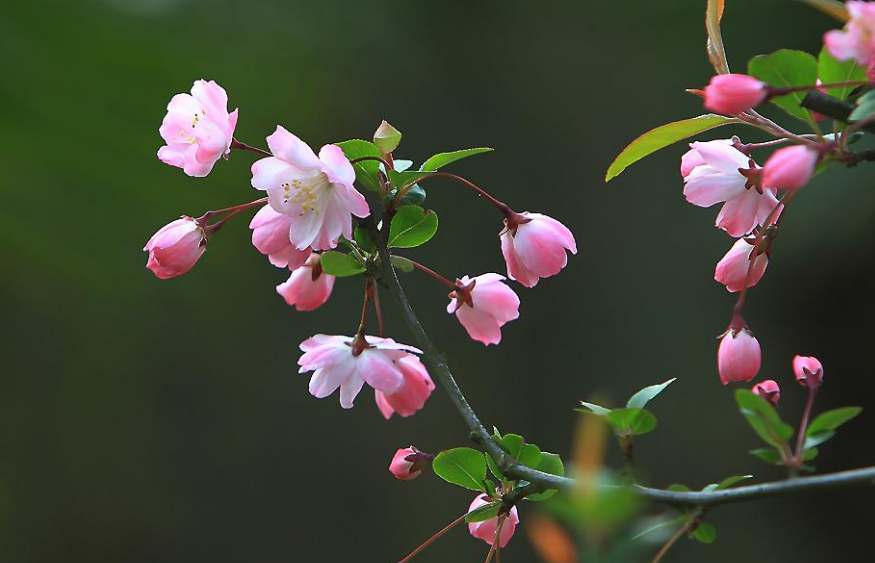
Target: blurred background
144,420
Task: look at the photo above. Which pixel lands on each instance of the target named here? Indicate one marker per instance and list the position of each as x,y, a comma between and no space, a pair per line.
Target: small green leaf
711,487
485,512
865,107
631,421
784,69
831,420
401,179
401,263
493,468
679,488
442,159
340,264
363,238
366,170
810,453
490,487
818,438
763,418
674,521
830,71
601,411
465,467
729,481
412,226
768,455
663,136
705,533
552,464
641,398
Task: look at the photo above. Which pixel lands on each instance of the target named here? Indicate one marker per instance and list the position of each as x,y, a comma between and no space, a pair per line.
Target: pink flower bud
483,305
808,371
534,247
732,94
175,248
790,168
308,287
270,235
732,269
407,464
415,390
738,358
768,390
486,529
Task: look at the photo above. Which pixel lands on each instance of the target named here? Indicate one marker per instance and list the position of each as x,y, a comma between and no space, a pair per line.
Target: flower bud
407,464
732,94
534,247
808,371
486,529
739,356
733,268
175,248
790,168
768,390
308,287
387,138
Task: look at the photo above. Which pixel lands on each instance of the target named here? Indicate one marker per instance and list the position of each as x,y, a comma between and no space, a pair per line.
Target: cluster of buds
808,372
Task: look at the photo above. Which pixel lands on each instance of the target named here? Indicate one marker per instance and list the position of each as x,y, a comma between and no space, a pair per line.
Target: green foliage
784,69
764,419
596,409
401,179
485,512
401,263
679,488
363,238
412,226
387,138
340,264
830,70
661,137
644,396
768,455
705,533
465,467
527,454
442,159
865,107
631,422
824,426
365,170
730,481
552,464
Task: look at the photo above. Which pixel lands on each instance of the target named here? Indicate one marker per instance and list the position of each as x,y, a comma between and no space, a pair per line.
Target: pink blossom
175,248
732,94
308,287
486,529
347,363
790,168
768,390
857,40
534,247
408,463
198,129
270,235
412,394
733,268
718,172
315,192
483,305
808,371
738,358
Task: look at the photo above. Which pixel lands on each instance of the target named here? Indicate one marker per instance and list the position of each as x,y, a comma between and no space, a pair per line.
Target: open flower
348,363
732,94
733,268
739,356
198,129
857,40
716,172
270,235
486,529
534,247
315,192
412,394
483,305
309,287
175,248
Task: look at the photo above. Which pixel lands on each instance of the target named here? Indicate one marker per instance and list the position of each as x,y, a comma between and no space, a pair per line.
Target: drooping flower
483,305
739,356
412,394
732,270
486,529
857,40
317,193
309,287
534,247
175,248
732,94
198,129
808,371
408,463
348,363
717,172
270,235
790,168
768,390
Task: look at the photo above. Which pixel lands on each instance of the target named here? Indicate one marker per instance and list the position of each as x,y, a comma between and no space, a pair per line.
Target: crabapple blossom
790,168
734,93
857,40
317,193
348,363
732,270
408,463
716,172
738,358
483,305
485,530
176,247
808,371
309,287
270,235
768,390
534,246
412,394
198,129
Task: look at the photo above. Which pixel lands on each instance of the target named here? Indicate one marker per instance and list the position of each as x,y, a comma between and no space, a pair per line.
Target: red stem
433,274
431,540
803,426
235,144
500,205
785,91
376,295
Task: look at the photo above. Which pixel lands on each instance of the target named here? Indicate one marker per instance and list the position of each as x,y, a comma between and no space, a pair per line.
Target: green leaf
401,179
631,421
831,420
552,464
366,170
768,455
601,411
784,69
679,488
485,512
641,398
401,263
729,481
490,486
442,159
818,438
810,453
465,467
515,445
386,137
493,468
865,107
705,533
340,264
830,70
412,226
763,418
674,521
414,196
661,137
363,238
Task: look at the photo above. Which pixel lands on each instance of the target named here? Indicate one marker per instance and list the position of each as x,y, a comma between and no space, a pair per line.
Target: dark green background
144,421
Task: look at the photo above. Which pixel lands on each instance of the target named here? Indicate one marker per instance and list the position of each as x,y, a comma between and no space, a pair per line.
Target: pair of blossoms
311,202
808,372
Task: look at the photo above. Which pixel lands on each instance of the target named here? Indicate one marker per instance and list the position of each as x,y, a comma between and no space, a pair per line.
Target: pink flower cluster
857,40
808,372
